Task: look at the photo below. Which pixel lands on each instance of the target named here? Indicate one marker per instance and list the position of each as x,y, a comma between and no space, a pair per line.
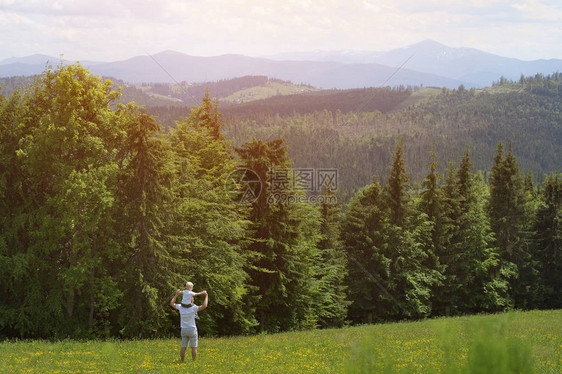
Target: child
187,296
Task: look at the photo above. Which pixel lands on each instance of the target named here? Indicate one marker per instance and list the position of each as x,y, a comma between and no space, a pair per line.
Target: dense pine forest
360,141
453,205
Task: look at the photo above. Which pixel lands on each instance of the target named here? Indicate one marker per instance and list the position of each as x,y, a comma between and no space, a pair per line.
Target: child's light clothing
186,299
186,296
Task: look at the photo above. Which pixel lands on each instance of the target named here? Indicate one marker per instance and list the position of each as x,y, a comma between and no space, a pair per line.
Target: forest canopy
104,213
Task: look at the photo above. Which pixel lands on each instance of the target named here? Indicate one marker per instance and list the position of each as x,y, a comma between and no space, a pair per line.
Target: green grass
272,88
416,97
513,342
505,88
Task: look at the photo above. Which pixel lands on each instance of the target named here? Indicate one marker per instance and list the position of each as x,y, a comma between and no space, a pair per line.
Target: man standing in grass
187,323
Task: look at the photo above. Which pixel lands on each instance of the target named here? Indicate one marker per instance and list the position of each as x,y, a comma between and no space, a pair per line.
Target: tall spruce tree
387,244
398,197
364,238
333,266
475,280
411,275
447,296
511,212
483,282
431,203
210,228
145,203
287,234
208,116
548,242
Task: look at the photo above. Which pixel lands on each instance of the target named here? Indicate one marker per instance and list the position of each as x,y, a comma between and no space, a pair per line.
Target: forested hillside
104,213
360,141
178,98
345,101
333,101
9,85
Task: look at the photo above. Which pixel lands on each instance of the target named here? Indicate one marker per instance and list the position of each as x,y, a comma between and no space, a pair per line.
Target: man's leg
184,343
193,343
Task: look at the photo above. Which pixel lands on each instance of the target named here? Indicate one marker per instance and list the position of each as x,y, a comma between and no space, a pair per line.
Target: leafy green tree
14,217
103,217
60,139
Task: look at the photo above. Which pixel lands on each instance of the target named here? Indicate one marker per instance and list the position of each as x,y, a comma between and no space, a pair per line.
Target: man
187,323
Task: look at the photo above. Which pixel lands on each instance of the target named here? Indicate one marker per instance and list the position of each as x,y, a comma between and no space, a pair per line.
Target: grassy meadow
513,342
271,88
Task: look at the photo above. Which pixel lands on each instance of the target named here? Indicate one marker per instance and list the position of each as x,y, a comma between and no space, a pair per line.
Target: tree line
453,244
285,106
103,215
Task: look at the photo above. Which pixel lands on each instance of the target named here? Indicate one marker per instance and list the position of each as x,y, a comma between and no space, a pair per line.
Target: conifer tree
145,209
333,266
447,296
208,116
483,282
210,228
548,242
390,275
364,238
431,203
287,234
511,212
398,198
412,274
431,199
474,277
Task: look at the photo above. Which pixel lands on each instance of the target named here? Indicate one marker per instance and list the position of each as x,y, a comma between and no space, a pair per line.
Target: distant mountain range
427,63
471,66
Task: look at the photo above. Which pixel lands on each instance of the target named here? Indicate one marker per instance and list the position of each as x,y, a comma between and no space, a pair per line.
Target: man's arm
204,302
173,301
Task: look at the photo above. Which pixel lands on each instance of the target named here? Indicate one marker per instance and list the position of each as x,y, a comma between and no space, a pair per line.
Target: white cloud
116,29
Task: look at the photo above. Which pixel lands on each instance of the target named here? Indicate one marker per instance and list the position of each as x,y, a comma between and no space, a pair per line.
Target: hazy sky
118,29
